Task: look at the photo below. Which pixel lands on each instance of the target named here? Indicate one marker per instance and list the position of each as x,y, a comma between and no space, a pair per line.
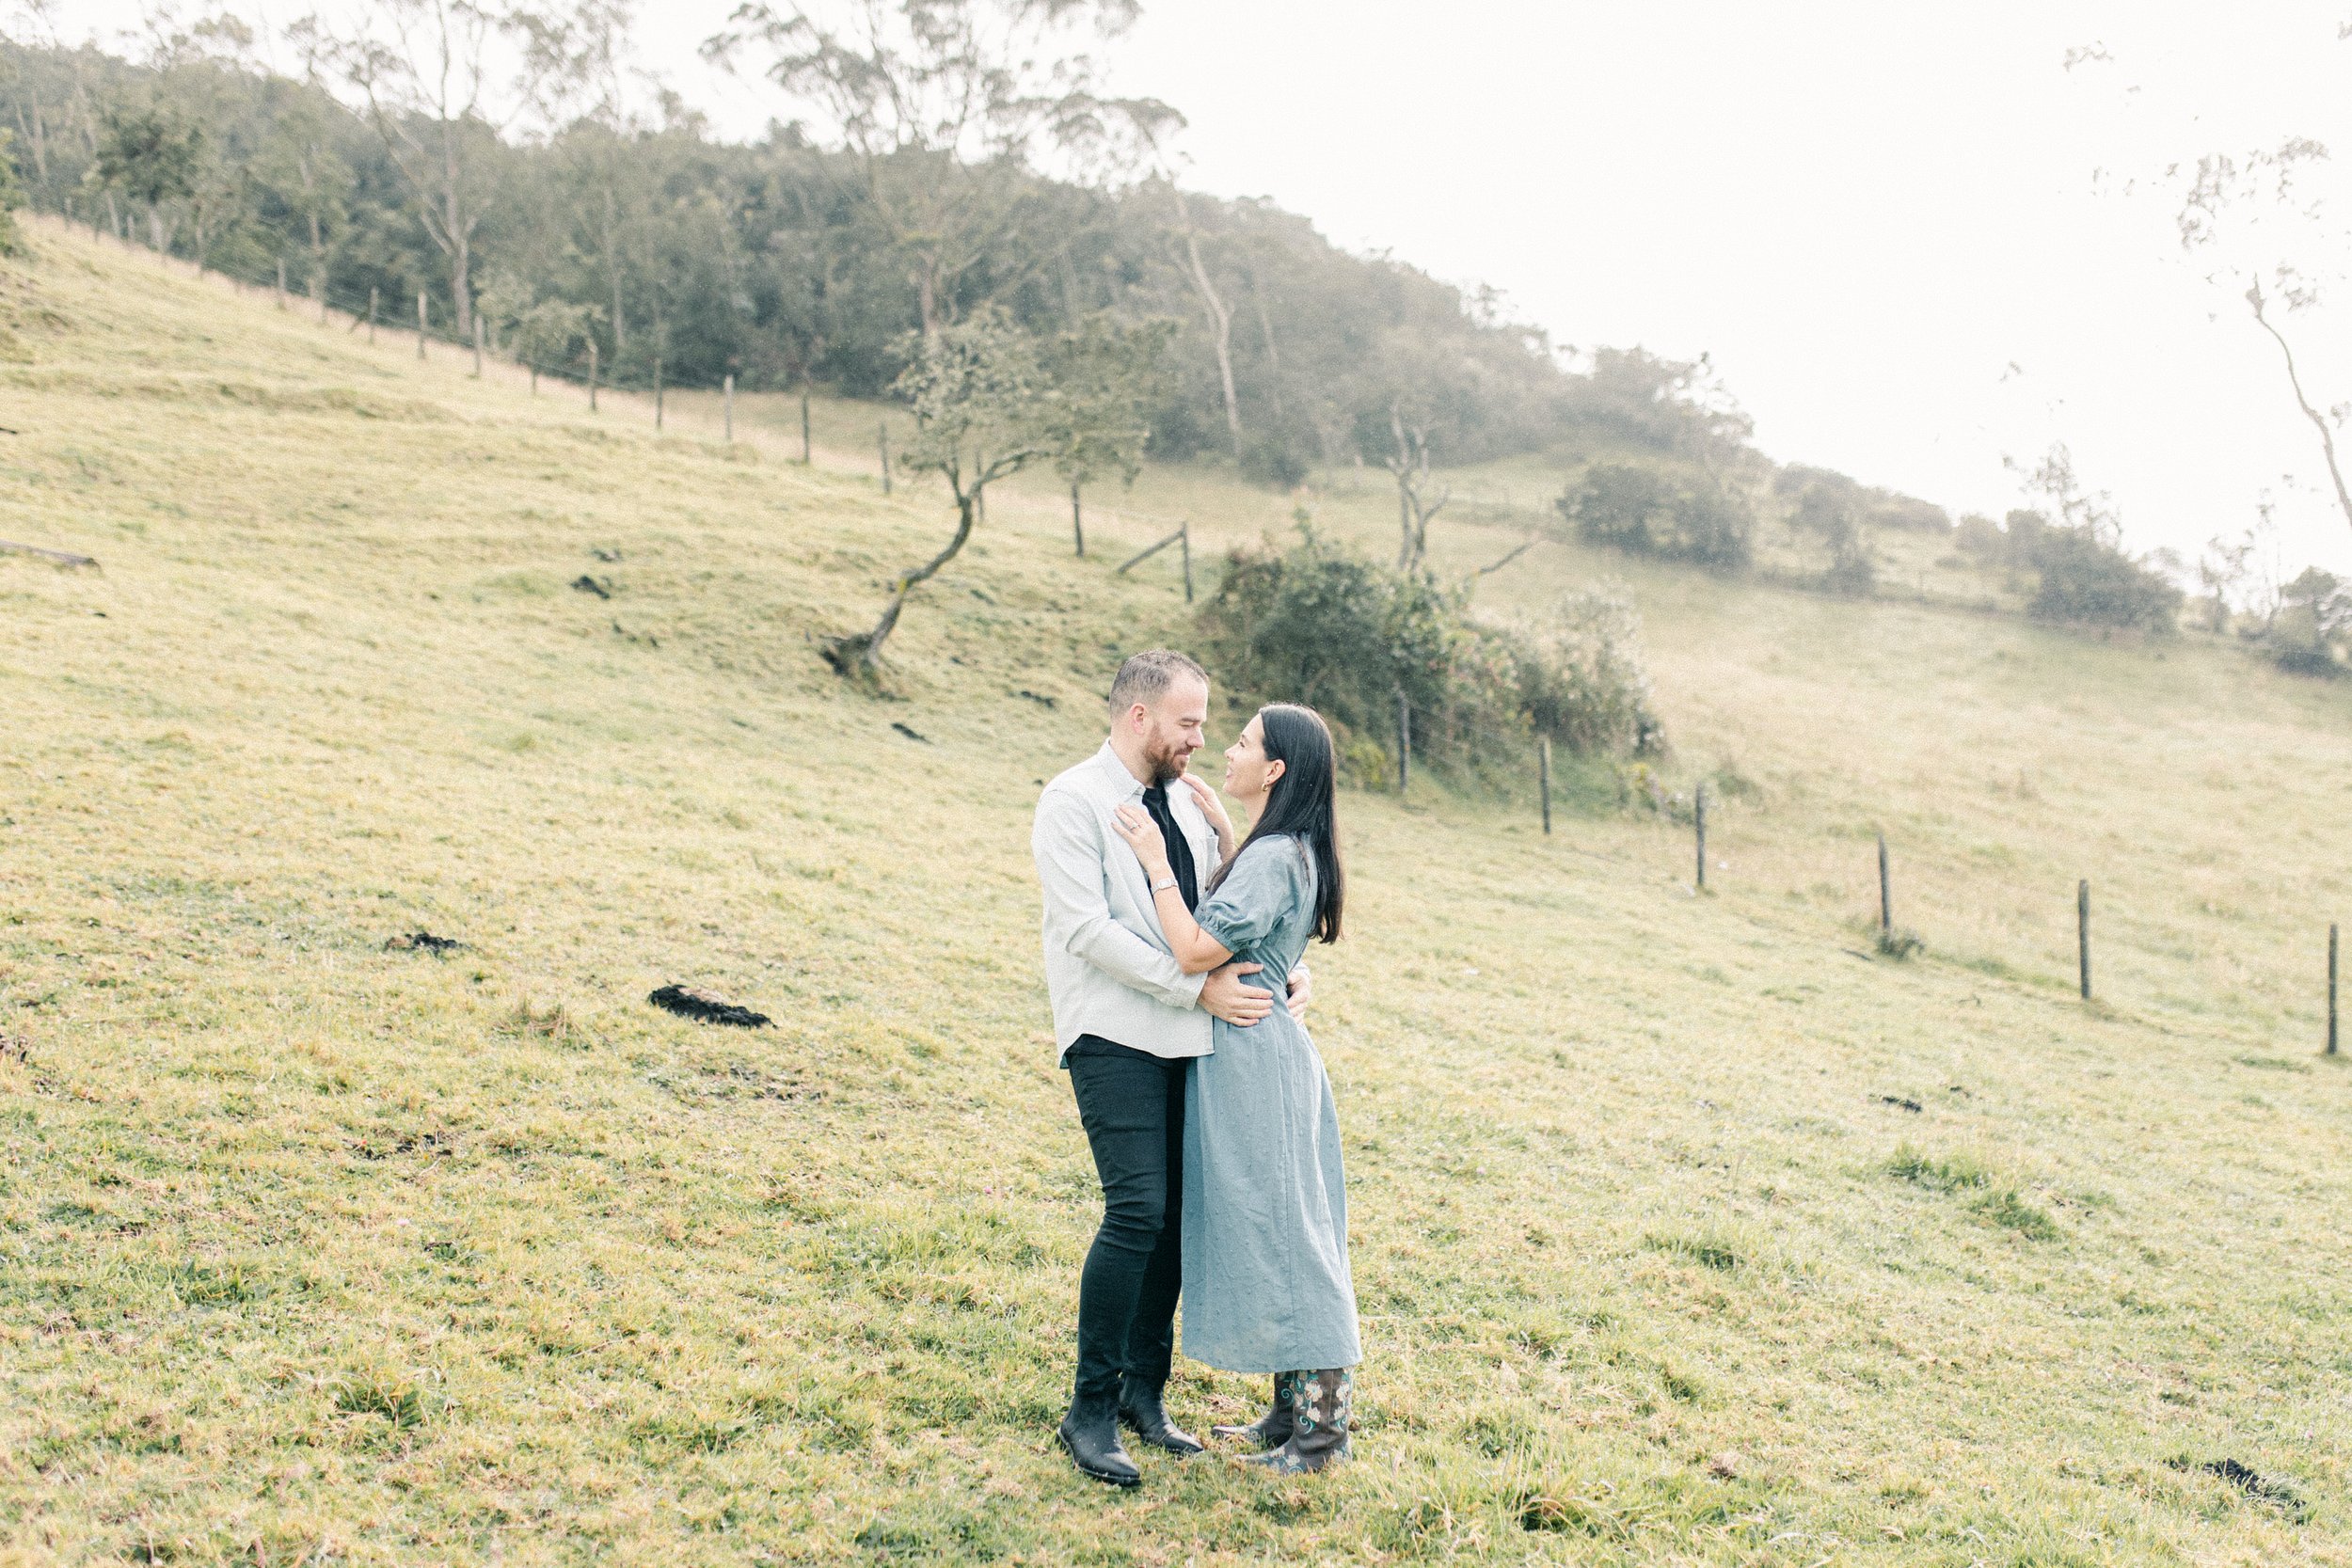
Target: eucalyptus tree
2273,219
578,59
2268,225
942,108
300,169
1214,304
430,76
35,29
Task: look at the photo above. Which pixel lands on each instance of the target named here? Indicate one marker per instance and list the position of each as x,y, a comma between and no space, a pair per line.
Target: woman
1265,1281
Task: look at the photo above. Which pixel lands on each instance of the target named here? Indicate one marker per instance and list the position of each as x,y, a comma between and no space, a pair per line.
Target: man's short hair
1146,677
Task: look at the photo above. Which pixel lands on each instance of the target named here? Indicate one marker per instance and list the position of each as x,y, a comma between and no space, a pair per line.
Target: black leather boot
1273,1429
1323,1409
1141,1412
1090,1432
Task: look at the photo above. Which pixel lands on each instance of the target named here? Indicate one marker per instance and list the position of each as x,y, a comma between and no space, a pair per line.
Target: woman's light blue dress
1267,1287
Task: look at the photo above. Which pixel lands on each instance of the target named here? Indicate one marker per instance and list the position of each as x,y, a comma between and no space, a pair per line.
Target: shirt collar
1115,774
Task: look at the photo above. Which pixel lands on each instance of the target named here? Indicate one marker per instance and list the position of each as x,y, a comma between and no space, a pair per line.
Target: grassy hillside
1686,1231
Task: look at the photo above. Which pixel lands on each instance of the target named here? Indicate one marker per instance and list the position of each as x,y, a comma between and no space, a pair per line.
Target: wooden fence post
477,345
374,300
1698,817
282,282
318,287
2082,932
656,393
1077,522
882,439
730,408
2331,989
420,324
1543,777
592,376
804,448
1404,741
1886,895
1184,544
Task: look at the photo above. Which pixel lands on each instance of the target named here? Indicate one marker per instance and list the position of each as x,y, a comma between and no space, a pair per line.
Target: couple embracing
1210,1116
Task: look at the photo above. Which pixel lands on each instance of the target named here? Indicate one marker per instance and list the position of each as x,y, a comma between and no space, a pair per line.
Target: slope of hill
1687,1230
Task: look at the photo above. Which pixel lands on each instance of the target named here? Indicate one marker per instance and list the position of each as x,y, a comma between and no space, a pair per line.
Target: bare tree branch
2319,422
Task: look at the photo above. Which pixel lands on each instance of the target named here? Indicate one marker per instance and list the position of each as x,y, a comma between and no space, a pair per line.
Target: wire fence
432,323
367,314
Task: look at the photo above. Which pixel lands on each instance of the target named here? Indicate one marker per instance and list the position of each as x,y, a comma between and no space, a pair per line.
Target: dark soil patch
587,585
1037,697
703,1008
424,941
2260,1487
910,733
384,1144
1900,1103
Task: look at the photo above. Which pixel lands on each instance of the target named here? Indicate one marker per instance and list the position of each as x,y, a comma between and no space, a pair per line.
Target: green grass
316,1250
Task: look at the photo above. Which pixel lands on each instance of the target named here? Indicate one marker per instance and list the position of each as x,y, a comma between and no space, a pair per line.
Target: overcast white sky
1880,220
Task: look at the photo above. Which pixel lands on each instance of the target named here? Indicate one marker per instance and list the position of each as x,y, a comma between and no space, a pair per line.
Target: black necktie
1179,852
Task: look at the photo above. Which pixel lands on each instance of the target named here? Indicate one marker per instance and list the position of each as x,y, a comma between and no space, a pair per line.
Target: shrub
1980,539
1281,455
1323,625
2086,582
1581,682
1837,512
1646,511
2314,618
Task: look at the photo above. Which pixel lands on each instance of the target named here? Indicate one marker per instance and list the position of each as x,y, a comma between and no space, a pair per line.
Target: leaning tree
987,401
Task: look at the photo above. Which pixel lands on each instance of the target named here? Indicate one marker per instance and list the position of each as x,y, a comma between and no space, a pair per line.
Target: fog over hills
1882,224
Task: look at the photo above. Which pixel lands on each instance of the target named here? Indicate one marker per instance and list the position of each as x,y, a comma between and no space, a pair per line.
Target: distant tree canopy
771,259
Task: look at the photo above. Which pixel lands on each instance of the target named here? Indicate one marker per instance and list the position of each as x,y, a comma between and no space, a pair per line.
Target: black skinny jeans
1133,1108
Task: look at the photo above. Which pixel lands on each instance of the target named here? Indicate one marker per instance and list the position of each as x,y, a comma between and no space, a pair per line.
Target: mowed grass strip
317,1249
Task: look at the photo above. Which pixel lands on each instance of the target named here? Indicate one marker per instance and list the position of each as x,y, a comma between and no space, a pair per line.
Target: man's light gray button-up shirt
1107,967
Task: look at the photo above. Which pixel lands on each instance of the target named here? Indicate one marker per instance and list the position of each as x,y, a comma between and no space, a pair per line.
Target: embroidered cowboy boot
1321,1406
1273,1429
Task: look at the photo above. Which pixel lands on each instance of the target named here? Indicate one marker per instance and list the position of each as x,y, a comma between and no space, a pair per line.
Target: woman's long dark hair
1301,804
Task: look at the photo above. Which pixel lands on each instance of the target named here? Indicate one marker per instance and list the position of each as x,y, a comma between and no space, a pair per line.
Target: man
1128,1021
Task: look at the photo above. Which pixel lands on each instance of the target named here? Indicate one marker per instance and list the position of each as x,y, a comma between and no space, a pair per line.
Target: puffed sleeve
1266,884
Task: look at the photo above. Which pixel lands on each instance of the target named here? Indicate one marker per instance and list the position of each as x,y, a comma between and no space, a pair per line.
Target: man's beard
1167,766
